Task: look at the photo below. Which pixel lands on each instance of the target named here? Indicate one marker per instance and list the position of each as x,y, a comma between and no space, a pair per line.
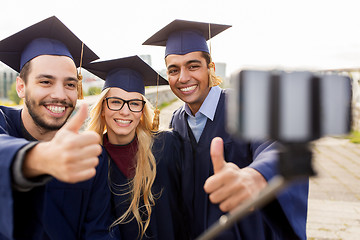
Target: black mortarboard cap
48,37
181,37
131,74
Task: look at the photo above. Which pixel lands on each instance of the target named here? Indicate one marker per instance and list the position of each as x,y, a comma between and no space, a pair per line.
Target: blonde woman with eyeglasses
144,165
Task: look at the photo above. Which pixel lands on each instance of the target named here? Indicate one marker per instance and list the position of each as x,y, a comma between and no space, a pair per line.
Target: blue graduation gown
55,211
284,218
167,215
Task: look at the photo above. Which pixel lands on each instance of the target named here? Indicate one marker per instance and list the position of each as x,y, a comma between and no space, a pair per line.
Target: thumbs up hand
70,156
230,185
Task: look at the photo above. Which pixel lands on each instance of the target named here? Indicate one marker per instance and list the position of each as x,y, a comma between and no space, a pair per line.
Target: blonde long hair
214,80
140,186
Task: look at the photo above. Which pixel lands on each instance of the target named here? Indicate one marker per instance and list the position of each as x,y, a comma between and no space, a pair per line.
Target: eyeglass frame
124,101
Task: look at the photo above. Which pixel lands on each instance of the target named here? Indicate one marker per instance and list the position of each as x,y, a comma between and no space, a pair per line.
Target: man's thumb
217,154
75,123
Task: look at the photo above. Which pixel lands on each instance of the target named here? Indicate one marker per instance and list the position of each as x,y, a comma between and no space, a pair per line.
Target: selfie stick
295,164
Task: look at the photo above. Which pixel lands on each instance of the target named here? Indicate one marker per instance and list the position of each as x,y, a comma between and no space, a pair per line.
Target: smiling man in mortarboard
52,183
191,76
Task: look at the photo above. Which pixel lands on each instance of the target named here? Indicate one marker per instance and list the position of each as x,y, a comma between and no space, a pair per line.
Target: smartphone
288,106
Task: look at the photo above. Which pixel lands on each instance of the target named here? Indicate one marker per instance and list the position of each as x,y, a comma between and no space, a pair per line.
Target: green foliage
165,104
13,96
93,91
355,137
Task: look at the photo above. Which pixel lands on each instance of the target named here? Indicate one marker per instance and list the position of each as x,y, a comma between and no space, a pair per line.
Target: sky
283,34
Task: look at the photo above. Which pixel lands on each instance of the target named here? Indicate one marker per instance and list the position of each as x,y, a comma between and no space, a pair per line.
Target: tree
94,91
13,96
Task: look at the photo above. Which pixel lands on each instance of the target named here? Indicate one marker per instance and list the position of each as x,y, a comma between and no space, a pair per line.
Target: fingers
90,151
80,140
69,138
75,123
217,154
87,138
233,202
213,183
72,156
217,157
220,194
237,186
223,184
79,176
80,160
221,179
230,194
77,167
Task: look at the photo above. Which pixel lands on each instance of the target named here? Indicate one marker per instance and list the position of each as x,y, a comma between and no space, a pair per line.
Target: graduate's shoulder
167,136
9,112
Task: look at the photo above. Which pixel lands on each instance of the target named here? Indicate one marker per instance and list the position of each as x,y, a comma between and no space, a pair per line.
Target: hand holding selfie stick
293,108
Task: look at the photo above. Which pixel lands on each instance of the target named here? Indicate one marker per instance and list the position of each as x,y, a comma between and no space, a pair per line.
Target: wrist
34,164
257,178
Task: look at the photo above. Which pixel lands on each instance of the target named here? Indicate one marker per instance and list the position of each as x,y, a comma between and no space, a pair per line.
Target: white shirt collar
208,107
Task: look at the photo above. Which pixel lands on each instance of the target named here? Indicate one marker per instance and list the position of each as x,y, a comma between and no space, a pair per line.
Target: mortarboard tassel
156,120
79,88
80,77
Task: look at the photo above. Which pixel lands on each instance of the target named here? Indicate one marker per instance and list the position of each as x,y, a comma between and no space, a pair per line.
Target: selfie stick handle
295,163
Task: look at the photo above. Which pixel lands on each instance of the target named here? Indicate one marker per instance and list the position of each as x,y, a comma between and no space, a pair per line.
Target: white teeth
123,121
56,109
188,88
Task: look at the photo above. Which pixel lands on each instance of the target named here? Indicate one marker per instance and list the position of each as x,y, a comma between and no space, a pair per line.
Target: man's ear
20,87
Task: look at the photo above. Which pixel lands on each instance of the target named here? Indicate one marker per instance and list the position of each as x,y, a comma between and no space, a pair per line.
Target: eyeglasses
116,104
